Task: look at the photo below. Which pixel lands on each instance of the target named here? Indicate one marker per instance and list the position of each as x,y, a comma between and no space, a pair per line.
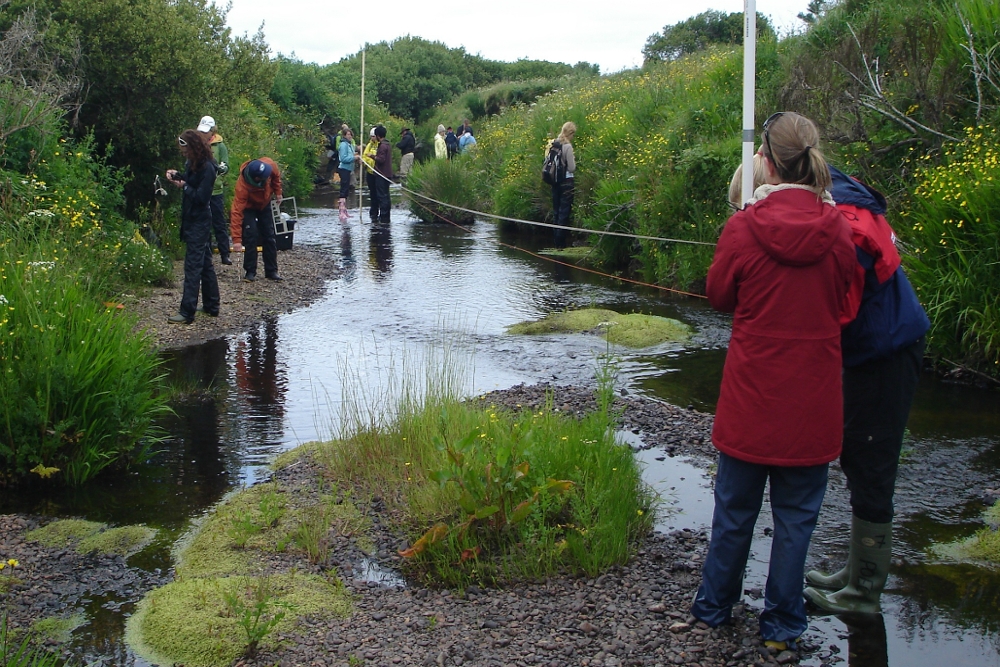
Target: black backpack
553,169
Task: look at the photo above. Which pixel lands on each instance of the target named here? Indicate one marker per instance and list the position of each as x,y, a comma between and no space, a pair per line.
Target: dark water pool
405,288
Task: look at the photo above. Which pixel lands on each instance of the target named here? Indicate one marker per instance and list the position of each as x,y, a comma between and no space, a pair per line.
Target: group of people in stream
251,218
826,349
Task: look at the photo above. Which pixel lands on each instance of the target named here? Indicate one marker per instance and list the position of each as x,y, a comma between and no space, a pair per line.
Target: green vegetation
632,330
699,32
446,181
491,496
57,629
204,622
87,536
983,547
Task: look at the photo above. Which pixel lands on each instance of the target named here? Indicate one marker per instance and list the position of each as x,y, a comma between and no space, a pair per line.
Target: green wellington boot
868,569
833,582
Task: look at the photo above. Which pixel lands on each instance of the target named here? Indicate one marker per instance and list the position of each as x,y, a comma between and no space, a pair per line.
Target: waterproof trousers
258,229
220,225
345,182
877,399
796,496
562,210
199,272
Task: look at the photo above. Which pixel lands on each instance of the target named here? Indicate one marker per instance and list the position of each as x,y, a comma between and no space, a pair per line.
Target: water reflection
380,249
347,264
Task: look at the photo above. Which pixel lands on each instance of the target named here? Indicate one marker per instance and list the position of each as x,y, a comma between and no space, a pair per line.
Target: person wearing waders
251,219
783,266
383,173
221,156
883,348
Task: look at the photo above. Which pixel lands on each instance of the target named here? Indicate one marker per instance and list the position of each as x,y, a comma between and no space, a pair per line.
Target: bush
77,385
954,231
447,181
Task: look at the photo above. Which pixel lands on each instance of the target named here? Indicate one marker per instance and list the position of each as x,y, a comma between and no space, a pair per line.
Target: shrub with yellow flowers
953,231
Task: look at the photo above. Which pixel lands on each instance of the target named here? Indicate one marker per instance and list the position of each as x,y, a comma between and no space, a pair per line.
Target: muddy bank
305,271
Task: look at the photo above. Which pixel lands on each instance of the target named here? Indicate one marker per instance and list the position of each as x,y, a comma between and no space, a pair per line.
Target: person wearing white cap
220,226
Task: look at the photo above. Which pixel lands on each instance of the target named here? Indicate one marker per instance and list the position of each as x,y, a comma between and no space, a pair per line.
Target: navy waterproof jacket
890,317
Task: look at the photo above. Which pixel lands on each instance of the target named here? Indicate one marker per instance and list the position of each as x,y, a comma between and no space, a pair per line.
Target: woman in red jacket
783,267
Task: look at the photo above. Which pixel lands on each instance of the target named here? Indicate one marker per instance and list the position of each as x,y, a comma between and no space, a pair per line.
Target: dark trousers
796,496
877,399
345,182
198,270
384,202
562,209
258,227
220,224
370,178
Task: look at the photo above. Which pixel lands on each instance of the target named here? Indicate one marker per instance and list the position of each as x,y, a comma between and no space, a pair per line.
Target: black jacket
406,144
198,186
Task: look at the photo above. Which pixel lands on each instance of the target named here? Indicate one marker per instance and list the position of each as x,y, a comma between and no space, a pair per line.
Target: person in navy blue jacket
883,347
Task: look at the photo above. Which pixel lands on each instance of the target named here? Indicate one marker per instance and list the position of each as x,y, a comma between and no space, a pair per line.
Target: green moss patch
633,330
189,622
574,254
57,630
65,532
983,547
124,541
303,451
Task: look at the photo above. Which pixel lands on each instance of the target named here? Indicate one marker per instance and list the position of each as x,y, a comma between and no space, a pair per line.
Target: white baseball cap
206,124
372,133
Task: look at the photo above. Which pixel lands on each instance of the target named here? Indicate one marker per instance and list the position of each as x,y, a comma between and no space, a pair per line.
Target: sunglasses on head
767,124
181,141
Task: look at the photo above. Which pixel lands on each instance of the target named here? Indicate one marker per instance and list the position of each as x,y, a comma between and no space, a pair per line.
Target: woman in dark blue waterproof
883,352
783,267
197,182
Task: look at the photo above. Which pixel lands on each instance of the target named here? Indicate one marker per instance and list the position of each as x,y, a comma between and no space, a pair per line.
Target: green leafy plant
255,606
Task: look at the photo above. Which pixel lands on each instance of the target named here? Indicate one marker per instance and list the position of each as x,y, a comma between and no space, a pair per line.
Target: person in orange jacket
251,219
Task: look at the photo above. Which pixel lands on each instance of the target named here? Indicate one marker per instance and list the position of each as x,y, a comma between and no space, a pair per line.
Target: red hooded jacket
783,267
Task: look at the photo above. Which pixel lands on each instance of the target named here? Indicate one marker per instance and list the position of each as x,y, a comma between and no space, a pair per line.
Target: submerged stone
632,330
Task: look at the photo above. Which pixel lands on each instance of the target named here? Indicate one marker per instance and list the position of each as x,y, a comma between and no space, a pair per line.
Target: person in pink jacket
783,267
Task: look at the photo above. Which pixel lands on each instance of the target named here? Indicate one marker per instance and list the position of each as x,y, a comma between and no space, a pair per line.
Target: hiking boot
274,276
177,318
250,277
225,260
210,313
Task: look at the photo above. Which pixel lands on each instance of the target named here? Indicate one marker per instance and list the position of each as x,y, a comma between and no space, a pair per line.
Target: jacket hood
792,224
216,138
846,190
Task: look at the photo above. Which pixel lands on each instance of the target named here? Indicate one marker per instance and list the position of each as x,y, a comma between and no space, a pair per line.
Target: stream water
406,287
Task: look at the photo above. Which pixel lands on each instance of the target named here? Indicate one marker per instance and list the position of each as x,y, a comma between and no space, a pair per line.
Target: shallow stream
408,286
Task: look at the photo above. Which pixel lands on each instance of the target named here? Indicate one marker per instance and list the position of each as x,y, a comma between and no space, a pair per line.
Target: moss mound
65,532
578,253
123,541
633,330
983,547
189,622
57,630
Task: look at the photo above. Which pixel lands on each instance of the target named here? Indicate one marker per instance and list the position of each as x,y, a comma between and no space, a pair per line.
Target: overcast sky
597,31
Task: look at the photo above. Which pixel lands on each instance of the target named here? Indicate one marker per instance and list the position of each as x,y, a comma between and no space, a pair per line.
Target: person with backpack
559,167
451,142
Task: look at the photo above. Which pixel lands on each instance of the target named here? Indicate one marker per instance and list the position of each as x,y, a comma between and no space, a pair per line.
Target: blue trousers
796,496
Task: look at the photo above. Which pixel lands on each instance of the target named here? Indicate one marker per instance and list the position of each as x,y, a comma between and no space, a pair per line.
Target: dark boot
868,568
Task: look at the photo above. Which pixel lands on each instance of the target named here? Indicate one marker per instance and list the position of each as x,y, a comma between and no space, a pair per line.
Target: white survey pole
749,92
362,136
